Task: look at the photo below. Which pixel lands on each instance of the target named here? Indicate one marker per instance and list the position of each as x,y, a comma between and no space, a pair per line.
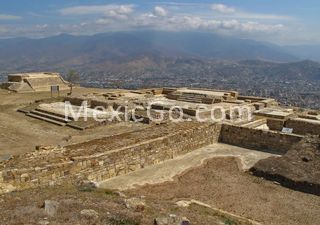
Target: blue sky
278,21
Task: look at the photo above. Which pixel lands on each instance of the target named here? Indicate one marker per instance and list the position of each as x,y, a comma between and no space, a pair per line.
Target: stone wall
168,90
107,157
45,83
78,101
262,140
98,103
304,126
275,124
15,78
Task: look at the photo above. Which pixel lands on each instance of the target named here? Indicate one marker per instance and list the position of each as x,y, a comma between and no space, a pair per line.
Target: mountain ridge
69,50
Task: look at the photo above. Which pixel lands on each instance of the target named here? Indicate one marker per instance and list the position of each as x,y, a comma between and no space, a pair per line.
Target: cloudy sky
278,21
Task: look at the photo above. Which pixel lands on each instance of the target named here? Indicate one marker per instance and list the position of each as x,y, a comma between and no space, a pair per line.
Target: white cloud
228,18
221,8
240,14
254,26
231,26
9,17
160,11
110,9
109,12
114,17
259,16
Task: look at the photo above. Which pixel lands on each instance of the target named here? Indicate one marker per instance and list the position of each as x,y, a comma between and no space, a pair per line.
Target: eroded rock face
298,169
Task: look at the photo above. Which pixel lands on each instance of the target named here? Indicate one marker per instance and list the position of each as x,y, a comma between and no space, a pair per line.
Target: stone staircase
19,87
50,117
191,97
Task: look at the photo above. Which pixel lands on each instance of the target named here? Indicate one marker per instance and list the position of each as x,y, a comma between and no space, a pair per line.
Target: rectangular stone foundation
107,157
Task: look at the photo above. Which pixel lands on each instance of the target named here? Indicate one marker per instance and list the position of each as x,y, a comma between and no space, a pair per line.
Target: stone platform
35,82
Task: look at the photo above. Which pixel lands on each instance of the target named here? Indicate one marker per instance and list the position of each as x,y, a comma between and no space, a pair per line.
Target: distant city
290,84
279,82
307,96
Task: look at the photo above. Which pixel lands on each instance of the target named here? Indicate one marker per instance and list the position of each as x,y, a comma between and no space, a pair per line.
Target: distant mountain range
311,52
66,51
138,59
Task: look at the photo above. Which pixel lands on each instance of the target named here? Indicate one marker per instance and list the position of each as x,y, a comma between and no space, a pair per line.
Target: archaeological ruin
35,82
249,122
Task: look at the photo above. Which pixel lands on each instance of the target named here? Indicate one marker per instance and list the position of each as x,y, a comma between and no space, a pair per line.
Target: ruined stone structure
107,157
35,82
304,126
104,158
263,140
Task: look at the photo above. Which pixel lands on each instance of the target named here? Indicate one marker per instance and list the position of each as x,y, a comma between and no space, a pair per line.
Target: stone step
74,126
50,116
53,113
23,110
46,119
193,95
182,96
199,97
190,99
187,98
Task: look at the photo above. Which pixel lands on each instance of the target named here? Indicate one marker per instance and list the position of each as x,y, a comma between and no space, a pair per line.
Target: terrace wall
101,159
304,126
262,140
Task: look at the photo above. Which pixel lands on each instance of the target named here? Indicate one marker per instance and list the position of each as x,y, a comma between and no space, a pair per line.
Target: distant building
35,82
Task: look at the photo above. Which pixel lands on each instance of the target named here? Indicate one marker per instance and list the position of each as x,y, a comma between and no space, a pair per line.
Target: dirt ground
298,169
221,184
20,133
19,209
218,183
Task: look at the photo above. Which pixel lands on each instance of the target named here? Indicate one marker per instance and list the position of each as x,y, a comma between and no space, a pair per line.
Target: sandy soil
221,184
